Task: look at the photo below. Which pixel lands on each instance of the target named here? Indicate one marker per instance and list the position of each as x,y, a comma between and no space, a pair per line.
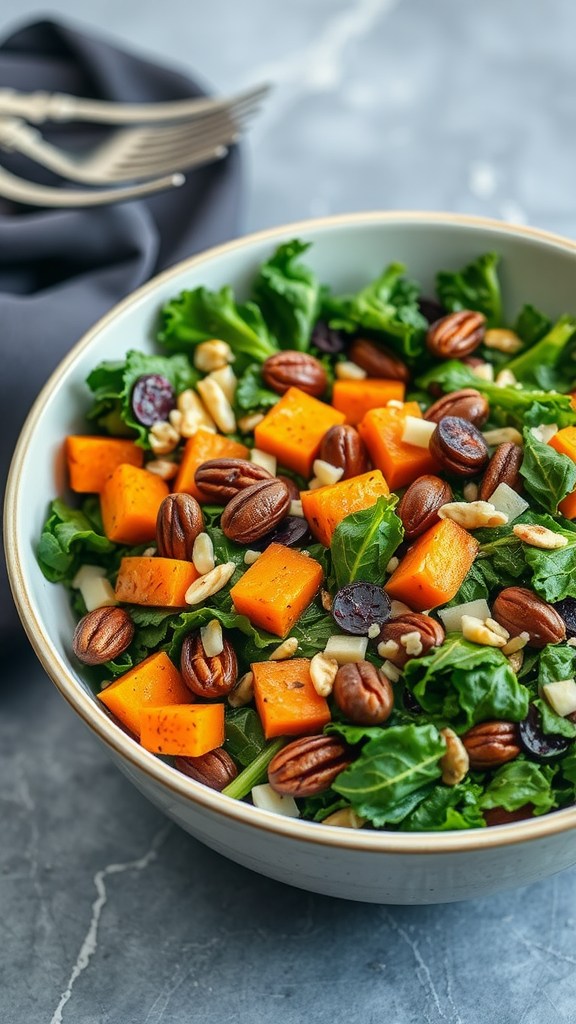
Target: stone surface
108,913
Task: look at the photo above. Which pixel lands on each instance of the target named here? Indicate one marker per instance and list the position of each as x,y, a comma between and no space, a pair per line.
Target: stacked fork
162,141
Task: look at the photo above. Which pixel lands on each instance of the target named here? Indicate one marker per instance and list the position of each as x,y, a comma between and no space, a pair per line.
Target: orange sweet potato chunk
159,582
293,429
277,588
155,682
91,460
381,430
565,443
356,397
325,507
433,569
202,447
184,730
129,501
286,700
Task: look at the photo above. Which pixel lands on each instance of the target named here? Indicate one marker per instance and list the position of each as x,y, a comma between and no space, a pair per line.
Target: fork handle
19,190
38,107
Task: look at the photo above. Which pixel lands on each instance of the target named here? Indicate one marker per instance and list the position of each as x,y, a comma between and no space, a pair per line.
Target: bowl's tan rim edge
87,707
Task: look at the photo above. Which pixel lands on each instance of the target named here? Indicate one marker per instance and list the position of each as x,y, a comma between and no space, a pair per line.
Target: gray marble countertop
108,912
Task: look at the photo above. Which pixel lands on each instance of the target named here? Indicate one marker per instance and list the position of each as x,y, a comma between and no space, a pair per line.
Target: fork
44,106
20,190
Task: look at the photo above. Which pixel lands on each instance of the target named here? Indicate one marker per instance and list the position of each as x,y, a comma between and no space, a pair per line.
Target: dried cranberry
431,309
567,611
326,339
293,530
536,743
358,606
152,399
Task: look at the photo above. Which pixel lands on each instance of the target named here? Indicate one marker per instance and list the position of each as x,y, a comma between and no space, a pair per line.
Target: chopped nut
212,638
326,600
326,473
248,423
296,509
501,435
571,642
323,672
194,413
515,660
265,460
268,800
284,650
515,644
373,631
346,817
210,583
251,556
503,340
163,468
470,491
412,643
544,432
314,484
393,564
398,608
394,403
390,671
203,554
175,418
539,536
149,552
455,762
496,627
388,649
212,355
349,371
472,514
227,380
485,371
163,438
243,692
218,405
478,633
505,378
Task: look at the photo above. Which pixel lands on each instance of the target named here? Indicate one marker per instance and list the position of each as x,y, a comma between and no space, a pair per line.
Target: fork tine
21,191
160,136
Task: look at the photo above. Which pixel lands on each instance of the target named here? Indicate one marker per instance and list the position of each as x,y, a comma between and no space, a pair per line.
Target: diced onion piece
508,501
346,649
85,573
418,431
296,508
98,593
326,473
561,696
267,799
349,371
452,617
264,459
544,432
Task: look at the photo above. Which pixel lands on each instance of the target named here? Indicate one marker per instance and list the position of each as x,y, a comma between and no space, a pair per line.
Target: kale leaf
288,294
252,395
199,315
447,807
540,364
364,542
71,537
476,286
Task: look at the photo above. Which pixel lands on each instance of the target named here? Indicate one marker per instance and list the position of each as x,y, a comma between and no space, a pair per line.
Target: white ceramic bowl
373,866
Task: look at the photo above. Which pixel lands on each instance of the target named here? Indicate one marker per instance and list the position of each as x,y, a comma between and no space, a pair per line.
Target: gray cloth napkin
60,270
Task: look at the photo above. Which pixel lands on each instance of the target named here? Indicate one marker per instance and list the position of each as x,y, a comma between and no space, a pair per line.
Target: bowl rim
86,705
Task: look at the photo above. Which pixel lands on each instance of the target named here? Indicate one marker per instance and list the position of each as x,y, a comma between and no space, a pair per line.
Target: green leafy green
316,808
464,683
472,588
254,773
553,724
557,661
447,807
531,325
364,542
112,384
354,734
251,393
517,783
387,306
199,315
244,734
288,294
390,770
71,537
548,475
540,364
553,571
476,286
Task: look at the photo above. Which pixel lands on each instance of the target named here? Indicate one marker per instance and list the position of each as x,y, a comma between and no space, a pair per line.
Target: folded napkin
60,270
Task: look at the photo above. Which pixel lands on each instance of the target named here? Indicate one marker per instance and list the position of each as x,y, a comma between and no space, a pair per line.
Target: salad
323,547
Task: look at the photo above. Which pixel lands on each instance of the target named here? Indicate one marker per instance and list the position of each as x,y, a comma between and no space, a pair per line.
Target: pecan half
459,447
222,479
378,360
216,769
457,334
363,693
468,404
401,643
520,610
491,744
419,506
503,468
102,635
343,447
309,765
292,489
499,816
255,511
208,677
289,369
178,523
